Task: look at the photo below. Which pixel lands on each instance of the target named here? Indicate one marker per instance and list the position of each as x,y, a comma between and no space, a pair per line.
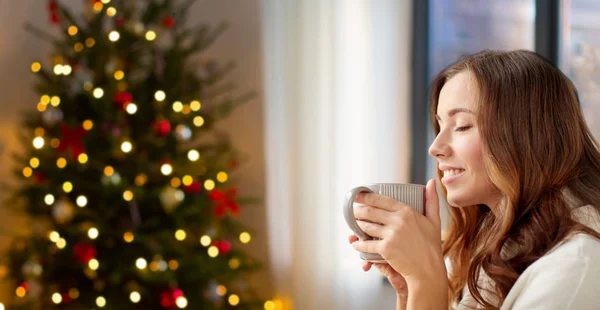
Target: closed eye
463,128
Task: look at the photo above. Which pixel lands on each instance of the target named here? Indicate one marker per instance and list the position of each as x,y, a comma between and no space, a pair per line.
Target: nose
439,147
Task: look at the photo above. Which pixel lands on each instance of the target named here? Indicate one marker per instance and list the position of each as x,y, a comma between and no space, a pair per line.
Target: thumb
432,204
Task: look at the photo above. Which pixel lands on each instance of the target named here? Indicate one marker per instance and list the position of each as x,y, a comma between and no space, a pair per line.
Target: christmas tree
124,174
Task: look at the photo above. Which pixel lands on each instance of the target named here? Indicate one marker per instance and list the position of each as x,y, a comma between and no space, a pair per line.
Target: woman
521,173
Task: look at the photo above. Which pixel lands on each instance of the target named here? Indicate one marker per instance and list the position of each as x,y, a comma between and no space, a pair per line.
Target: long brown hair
538,152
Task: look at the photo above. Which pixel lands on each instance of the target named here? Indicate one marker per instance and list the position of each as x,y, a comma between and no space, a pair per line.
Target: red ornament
25,286
54,19
169,297
53,8
168,22
193,188
72,138
224,246
84,252
224,201
122,99
161,127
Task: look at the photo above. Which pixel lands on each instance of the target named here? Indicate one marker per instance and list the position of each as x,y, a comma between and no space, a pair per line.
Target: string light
111,11
114,36
81,201
126,147
78,47
234,263
160,95
66,70
98,7
193,155
135,297
141,179
222,177
205,240
58,69
93,233
93,264
106,1
233,299
100,301
45,99
88,124
74,293
180,235
177,106
269,305
54,143
38,142
20,291
87,86
36,67
213,251
61,162
108,171
41,107
67,187
127,195
1,306
209,185
166,169
49,199
245,237
186,109
221,290
39,131
82,158
175,182
150,35
131,108
141,263
195,105
187,180
128,237
173,264
72,30
198,121
54,236
61,243
34,162
27,172
55,101
98,93
56,298
89,42
119,75
181,302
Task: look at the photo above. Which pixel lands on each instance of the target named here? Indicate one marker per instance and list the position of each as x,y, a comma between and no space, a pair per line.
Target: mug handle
349,211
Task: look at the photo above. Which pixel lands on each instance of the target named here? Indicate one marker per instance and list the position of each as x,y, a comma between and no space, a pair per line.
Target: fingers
373,214
367,266
432,205
367,246
372,229
352,238
378,201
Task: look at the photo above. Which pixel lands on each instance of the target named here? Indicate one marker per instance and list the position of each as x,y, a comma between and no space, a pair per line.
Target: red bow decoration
72,138
224,201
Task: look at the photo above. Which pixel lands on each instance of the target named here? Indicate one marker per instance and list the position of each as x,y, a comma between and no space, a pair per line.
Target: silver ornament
183,133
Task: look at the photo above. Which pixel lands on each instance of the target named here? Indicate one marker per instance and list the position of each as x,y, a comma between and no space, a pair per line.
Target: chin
458,201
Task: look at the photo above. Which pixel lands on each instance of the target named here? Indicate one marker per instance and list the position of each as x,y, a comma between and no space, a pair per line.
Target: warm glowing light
166,169
61,243
108,171
88,124
195,105
205,240
45,99
119,75
141,179
36,67
98,7
49,199
93,233
173,264
175,182
81,201
67,187
114,36
128,195
111,11
181,302
27,172
234,300
269,305
34,162
94,264
131,108
54,236
106,1
186,109
58,69
245,237
126,147
187,180
141,263
160,95
180,235
234,263
177,106
193,155
198,121
150,35
128,237
89,42
135,297
21,291
56,298
61,162
98,93
55,101
38,142
78,47
222,177
209,185
67,70
72,30
54,143
74,293
213,251
82,158
221,290
100,301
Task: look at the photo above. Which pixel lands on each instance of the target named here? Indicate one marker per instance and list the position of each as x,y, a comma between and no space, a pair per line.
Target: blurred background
342,100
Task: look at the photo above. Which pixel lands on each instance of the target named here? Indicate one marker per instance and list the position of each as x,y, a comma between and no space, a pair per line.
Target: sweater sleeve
558,283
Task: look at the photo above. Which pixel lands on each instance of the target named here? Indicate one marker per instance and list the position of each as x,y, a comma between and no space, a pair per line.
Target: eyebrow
454,111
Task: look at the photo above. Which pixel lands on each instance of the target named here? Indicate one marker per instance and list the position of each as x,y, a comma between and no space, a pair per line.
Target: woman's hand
409,242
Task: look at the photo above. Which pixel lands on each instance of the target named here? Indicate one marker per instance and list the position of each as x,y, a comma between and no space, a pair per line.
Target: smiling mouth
451,175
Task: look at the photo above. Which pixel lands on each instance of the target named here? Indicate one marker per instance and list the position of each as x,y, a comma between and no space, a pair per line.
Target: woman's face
458,148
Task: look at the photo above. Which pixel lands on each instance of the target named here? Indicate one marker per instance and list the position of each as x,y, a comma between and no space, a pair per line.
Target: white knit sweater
567,277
